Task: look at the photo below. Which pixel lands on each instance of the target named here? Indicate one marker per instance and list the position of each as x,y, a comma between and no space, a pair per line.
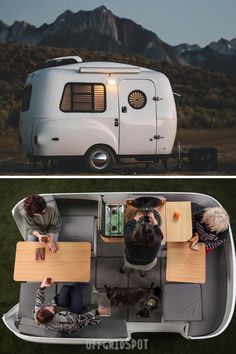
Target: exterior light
111,81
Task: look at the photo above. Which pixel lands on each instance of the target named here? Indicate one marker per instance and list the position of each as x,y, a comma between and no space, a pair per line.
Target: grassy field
13,162
12,190
222,139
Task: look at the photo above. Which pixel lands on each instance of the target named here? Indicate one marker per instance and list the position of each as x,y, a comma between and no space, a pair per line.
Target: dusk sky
174,21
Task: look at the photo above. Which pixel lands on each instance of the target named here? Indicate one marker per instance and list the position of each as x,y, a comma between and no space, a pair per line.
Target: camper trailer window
26,98
83,97
137,99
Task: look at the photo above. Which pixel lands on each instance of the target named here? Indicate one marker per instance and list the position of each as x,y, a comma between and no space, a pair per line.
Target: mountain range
101,30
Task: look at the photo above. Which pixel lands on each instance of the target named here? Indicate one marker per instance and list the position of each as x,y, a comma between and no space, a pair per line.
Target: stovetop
114,220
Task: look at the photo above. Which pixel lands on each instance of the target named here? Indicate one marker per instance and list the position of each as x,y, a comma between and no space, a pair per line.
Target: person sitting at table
211,226
42,222
65,321
142,242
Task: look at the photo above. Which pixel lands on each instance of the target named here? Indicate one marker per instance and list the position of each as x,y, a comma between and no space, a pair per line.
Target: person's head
144,235
34,204
216,219
45,315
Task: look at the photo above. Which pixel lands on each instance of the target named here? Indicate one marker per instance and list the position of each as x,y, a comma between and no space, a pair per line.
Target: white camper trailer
101,111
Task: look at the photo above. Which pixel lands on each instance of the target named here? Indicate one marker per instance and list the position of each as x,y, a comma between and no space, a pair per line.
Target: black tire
99,158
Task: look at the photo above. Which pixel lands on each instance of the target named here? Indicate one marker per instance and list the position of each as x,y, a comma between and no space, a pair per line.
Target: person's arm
156,226
158,232
221,238
55,226
130,225
55,220
52,243
71,322
40,295
211,245
31,228
39,300
197,217
152,218
129,229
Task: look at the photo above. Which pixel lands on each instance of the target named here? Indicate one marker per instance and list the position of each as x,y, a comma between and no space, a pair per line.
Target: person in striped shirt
63,321
211,226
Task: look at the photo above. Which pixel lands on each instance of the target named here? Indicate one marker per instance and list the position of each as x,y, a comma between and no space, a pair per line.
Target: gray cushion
214,294
107,328
182,302
80,207
27,298
30,327
79,229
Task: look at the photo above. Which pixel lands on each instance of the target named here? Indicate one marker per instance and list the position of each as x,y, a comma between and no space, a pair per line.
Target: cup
45,239
49,281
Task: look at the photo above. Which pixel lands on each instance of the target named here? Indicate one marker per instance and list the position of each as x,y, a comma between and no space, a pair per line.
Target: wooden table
71,263
184,264
178,230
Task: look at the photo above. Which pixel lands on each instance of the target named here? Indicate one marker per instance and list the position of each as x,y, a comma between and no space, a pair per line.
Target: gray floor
105,270
105,267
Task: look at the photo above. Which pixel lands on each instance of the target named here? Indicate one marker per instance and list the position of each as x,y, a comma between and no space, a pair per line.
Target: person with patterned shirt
211,226
63,321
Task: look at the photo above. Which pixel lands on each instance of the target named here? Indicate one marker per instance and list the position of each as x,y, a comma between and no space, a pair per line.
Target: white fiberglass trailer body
98,110
82,211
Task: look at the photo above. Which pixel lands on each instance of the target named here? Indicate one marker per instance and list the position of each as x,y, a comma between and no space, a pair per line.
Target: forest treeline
208,98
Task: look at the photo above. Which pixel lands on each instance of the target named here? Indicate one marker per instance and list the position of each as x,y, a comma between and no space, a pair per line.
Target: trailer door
138,117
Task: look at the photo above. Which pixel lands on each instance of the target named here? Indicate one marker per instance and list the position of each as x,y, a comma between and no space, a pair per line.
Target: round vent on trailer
137,99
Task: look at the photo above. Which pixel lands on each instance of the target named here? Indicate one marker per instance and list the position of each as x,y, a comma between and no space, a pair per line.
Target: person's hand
52,246
195,237
152,218
47,281
138,215
42,238
103,310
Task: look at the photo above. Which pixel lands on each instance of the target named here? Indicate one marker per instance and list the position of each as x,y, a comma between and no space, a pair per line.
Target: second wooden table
178,229
184,264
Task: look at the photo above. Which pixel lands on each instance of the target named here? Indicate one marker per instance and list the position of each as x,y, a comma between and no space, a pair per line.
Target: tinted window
26,98
83,97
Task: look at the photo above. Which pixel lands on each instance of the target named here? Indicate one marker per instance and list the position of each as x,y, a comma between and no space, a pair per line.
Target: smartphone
40,254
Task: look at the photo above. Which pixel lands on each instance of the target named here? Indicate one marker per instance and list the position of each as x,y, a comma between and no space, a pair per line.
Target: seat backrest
73,207
77,228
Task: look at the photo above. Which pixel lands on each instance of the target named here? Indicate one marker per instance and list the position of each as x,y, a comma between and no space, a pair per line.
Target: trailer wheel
100,158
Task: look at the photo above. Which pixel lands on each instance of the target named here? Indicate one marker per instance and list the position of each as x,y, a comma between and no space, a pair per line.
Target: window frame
92,97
